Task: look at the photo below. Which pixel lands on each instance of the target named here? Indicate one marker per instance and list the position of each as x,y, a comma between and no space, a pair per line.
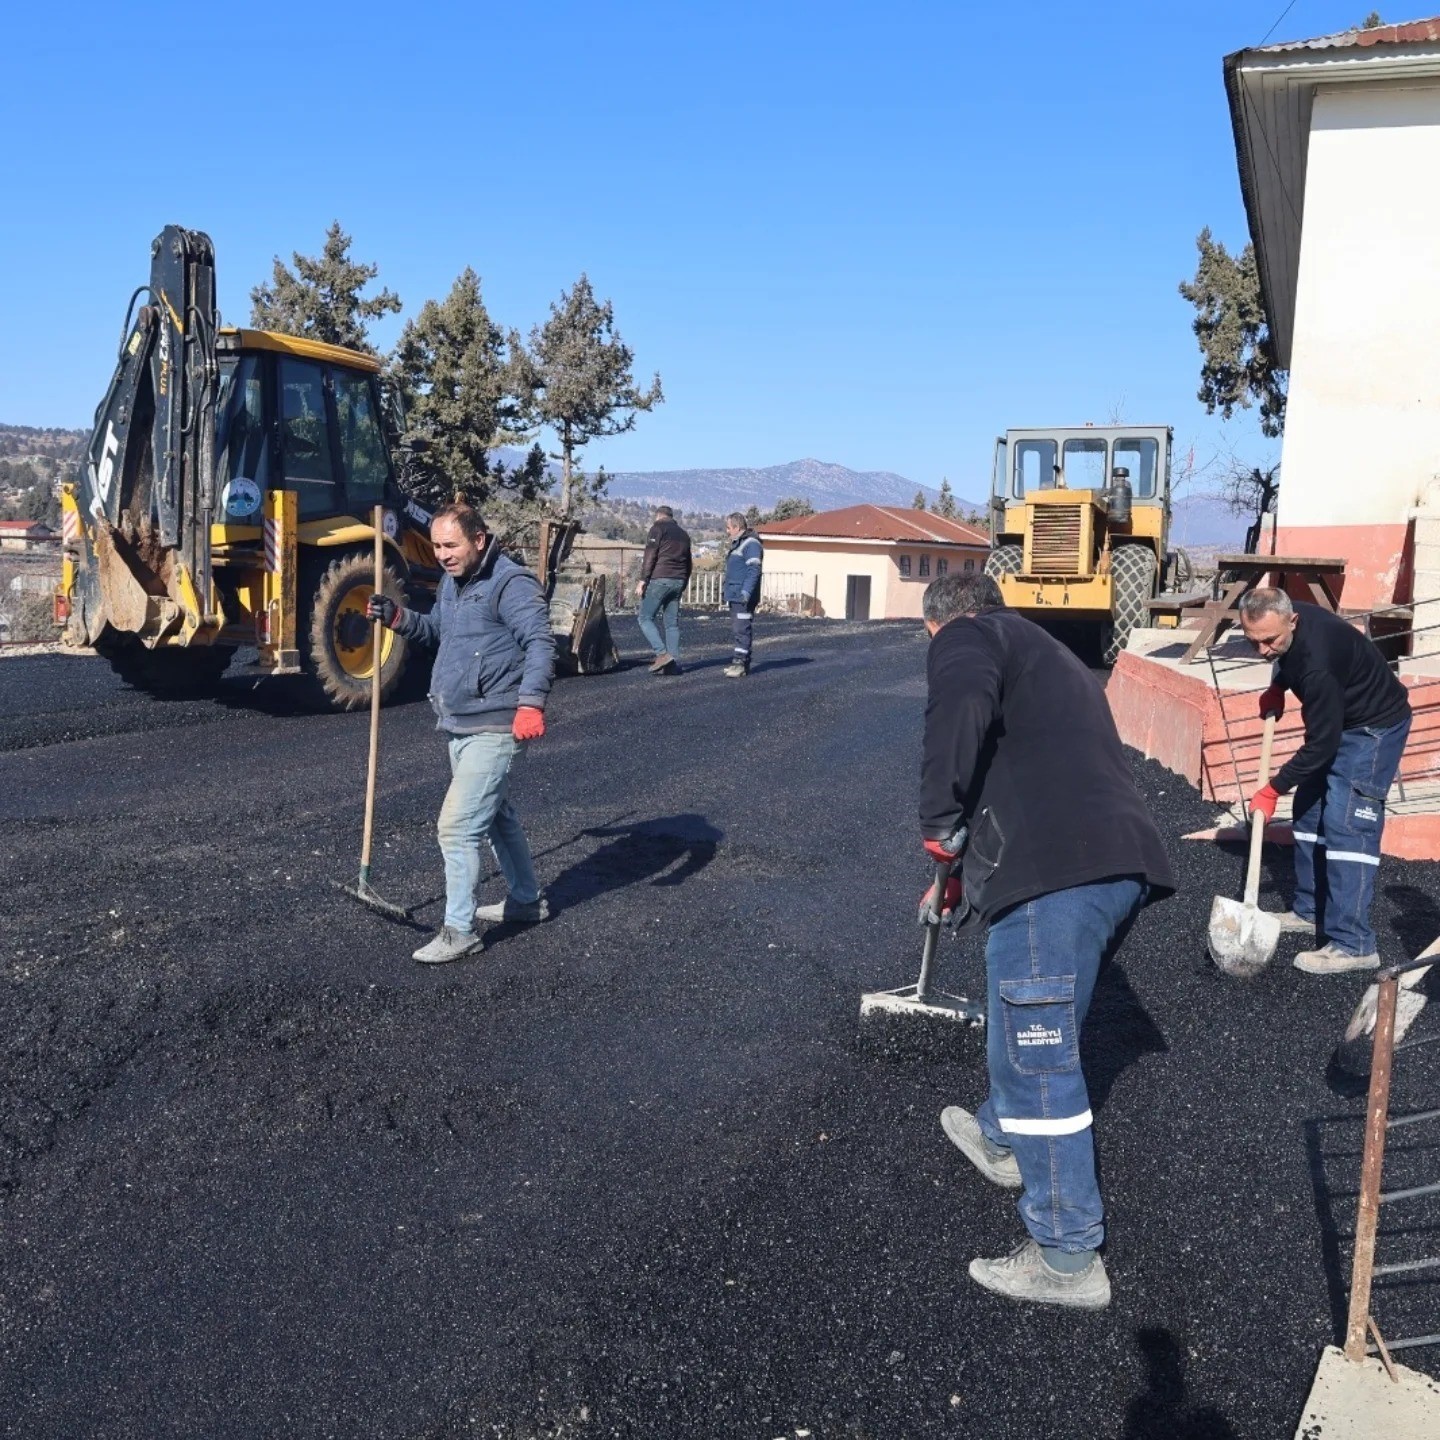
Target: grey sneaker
661,663
998,1166
1024,1275
1293,924
449,944
1330,959
514,912
735,670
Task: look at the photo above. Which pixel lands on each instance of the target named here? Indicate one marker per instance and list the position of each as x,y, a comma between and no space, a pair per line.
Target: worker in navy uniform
1021,754
1357,717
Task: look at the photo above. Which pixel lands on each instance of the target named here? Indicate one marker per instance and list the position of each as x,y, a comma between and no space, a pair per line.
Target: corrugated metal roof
878,522
1408,32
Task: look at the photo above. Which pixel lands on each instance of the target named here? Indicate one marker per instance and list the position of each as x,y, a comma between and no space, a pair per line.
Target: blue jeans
742,631
662,598
476,808
1041,960
1339,816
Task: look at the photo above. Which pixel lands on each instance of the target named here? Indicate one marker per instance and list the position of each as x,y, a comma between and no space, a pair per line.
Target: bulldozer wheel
172,671
337,638
1004,560
1132,574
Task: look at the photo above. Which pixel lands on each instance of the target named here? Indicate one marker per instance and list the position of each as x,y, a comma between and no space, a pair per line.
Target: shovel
1242,936
362,890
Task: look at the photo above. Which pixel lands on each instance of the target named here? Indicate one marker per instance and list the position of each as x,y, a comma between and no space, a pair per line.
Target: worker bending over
1020,749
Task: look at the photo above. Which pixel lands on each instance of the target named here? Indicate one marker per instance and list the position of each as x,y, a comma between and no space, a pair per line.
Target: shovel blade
1242,937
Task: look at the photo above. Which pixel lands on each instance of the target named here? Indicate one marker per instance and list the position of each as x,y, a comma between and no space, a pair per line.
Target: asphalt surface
634,1172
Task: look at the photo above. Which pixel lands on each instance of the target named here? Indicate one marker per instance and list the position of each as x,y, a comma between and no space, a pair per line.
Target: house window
924,566
969,566
942,566
905,566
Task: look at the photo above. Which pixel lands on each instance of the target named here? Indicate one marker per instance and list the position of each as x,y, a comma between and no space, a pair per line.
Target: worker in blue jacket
493,667
742,589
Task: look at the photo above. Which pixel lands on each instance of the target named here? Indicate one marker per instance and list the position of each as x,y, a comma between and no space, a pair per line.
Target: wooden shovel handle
1257,820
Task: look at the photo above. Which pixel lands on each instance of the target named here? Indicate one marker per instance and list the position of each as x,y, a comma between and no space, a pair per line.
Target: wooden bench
1246,572
1178,606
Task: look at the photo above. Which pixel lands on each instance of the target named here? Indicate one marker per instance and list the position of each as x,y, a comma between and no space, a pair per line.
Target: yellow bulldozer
227,501
1079,525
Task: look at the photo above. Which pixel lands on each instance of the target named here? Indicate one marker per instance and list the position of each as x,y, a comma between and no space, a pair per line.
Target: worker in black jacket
1020,750
664,573
1357,717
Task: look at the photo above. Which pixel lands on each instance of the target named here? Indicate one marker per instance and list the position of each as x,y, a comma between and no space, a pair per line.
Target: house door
857,597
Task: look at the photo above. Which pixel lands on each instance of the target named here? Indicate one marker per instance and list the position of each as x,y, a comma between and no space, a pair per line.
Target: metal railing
1378,1122
779,590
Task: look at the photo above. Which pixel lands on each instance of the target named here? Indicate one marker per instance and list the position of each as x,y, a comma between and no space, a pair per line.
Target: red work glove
1272,701
954,893
936,850
1264,801
529,723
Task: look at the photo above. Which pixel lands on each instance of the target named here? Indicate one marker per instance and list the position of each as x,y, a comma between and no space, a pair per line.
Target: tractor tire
1132,572
1004,560
335,637
170,673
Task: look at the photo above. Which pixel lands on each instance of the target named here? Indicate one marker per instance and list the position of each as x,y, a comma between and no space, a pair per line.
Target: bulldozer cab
1079,523
302,416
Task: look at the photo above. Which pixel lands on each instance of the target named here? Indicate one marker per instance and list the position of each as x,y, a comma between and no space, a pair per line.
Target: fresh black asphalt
634,1172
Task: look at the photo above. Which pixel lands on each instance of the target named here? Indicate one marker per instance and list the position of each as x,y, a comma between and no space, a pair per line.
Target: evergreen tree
581,378
790,507
455,369
945,501
1372,21
918,503
753,517
1237,367
320,299
42,504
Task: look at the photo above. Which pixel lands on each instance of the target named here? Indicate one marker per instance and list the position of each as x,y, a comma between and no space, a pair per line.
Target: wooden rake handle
378,520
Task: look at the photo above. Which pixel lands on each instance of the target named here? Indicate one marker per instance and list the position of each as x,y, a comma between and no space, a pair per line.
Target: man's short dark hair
666,511
954,595
736,518
467,517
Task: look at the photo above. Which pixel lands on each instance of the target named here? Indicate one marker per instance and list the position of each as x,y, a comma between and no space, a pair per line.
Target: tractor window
1139,457
309,469
1085,465
242,458
362,447
1034,466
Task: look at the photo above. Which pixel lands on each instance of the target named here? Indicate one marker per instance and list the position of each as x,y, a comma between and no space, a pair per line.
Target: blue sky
873,234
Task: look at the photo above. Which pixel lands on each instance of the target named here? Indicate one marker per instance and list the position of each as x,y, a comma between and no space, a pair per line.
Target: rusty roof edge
1403,32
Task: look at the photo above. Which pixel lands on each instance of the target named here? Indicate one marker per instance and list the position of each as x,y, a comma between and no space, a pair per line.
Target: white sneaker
1293,924
1330,959
963,1129
513,912
1024,1275
449,944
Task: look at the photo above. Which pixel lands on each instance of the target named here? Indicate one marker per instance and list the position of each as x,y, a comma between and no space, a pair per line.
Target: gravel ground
633,1172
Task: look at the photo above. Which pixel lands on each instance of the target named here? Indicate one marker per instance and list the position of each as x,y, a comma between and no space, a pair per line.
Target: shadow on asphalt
1160,1408
645,850
1335,1281
1118,1032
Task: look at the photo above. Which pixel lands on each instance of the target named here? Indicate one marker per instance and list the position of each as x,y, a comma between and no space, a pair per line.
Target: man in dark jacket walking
1357,718
664,573
1021,752
492,674
743,566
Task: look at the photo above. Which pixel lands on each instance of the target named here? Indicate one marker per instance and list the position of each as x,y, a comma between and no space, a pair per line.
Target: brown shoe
661,662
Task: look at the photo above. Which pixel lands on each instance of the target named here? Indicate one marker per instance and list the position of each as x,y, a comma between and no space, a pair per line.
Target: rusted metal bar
1368,1215
1385,1359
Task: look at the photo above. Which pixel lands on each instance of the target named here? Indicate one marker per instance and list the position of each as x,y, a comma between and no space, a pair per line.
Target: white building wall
1362,436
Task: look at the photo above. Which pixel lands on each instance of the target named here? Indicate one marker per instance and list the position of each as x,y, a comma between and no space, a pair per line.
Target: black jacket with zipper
1020,746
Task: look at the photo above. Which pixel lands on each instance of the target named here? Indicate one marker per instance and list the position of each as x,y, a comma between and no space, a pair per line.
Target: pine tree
790,507
1237,367
753,517
456,371
320,299
581,379
945,501
918,503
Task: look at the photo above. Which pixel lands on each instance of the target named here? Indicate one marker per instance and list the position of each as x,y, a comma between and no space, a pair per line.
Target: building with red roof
871,562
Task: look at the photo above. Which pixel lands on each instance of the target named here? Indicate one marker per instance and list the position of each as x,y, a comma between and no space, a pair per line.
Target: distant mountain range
826,486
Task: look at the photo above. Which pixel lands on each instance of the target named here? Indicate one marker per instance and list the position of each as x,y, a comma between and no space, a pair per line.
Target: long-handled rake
361,890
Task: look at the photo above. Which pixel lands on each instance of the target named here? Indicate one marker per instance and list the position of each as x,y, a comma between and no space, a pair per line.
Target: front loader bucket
583,644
